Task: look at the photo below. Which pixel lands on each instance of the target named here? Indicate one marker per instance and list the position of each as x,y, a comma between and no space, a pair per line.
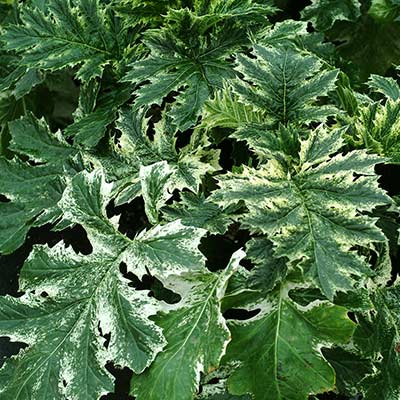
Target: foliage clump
190,191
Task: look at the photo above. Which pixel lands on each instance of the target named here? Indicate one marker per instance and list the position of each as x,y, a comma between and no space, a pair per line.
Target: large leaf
277,353
52,365
196,334
185,57
285,84
313,213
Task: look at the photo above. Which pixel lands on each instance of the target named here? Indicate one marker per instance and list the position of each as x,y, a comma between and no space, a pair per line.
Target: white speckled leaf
196,334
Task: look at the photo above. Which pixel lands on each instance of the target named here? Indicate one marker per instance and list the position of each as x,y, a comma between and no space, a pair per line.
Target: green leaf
196,334
368,40
185,59
324,13
70,34
385,10
33,193
195,210
387,86
277,353
285,84
350,369
313,214
90,126
33,138
378,338
187,165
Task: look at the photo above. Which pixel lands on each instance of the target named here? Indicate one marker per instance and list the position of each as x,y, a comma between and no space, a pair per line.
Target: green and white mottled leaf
154,180
87,297
324,13
378,339
387,86
71,33
193,210
33,138
294,34
196,334
226,111
377,129
187,165
277,354
188,59
285,84
33,193
164,250
64,331
314,213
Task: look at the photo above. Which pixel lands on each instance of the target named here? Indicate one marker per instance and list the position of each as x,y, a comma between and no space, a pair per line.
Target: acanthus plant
207,173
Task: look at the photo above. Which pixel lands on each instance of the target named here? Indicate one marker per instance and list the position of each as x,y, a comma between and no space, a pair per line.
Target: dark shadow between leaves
8,348
241,314
152,284
122,383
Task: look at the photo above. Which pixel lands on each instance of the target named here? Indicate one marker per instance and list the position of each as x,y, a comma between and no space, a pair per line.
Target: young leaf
187,166
377,129
155,189
226,111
